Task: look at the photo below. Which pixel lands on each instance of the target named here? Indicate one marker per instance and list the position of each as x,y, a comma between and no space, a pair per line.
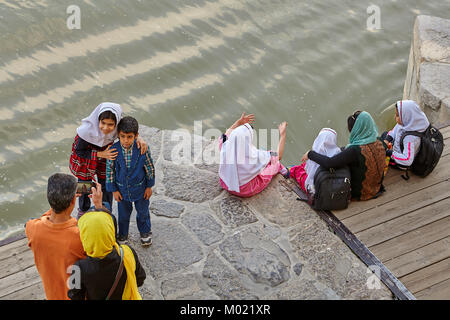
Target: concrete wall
428,75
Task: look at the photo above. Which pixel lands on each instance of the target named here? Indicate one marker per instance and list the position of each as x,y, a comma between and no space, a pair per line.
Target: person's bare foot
282,128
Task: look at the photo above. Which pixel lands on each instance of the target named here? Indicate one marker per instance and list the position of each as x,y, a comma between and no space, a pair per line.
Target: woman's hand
305,157
108,153
141,144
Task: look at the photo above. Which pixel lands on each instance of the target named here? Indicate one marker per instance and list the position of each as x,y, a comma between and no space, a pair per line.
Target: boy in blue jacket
130,177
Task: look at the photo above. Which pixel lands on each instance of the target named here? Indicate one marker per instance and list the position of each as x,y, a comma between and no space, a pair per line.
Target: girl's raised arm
239,122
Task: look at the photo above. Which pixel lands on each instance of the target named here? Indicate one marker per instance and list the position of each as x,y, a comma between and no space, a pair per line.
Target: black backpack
431,146
333,189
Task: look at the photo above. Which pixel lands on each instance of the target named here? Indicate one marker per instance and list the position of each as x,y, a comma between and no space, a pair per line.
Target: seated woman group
365,154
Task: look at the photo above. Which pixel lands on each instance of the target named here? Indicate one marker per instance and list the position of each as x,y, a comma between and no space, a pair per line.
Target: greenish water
170,63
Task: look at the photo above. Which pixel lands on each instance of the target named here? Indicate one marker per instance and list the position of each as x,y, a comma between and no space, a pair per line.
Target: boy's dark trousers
142,216
84,202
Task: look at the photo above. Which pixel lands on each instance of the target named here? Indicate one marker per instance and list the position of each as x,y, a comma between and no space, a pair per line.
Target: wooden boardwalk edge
386,276
12,239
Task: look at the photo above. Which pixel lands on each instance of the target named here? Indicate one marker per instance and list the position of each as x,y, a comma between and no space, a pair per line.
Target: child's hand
389,145
148,193
282,128
246,119
117,196
141,144
108,153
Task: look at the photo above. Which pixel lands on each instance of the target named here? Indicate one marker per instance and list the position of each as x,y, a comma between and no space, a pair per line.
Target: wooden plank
13,249
12,239
16,263
393,181
33,292
420,258
445,132
446,151
394,175
443,125
405,223
440,291
14,244
397,190
391,210
366,256
428,276
19,281
412,240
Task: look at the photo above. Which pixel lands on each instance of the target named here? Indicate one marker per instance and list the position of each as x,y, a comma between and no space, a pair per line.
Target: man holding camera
54,238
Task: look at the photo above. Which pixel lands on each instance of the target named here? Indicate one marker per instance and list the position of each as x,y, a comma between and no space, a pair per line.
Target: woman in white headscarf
245,170
409,117
325,144
91,148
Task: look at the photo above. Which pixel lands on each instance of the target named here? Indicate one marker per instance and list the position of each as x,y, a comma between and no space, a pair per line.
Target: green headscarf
364,131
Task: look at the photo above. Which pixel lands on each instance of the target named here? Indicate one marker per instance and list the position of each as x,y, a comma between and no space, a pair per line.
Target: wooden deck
407,228
19,278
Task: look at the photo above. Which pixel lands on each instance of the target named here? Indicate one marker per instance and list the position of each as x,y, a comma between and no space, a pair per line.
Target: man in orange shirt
54,238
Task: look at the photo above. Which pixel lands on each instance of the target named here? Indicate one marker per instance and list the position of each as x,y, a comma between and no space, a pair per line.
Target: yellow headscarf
98,238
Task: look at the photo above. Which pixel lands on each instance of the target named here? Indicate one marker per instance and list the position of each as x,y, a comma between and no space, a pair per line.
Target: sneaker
122,239
146,239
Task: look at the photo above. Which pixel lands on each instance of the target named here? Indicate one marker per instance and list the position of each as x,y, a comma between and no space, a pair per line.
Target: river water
172,62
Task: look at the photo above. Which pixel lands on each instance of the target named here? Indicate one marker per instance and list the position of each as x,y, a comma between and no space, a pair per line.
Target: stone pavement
208,244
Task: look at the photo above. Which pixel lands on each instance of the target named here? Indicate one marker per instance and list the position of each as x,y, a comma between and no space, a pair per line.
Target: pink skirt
299,174
258,183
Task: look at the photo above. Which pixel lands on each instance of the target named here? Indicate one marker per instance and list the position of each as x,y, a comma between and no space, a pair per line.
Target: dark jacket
366,162
98,275
131,182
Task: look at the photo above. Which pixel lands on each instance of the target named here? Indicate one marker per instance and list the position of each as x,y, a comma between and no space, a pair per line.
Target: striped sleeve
406,158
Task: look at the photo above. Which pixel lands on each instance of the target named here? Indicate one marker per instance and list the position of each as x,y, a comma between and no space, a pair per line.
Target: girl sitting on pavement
245,170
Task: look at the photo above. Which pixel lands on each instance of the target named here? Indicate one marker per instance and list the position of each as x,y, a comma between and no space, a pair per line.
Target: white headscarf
89,129
412,118
325,144
240,160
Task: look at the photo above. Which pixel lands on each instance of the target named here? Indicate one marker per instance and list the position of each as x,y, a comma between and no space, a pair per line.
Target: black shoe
146,239
122,239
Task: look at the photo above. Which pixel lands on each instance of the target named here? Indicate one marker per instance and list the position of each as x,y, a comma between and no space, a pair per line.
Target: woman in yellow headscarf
93,277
